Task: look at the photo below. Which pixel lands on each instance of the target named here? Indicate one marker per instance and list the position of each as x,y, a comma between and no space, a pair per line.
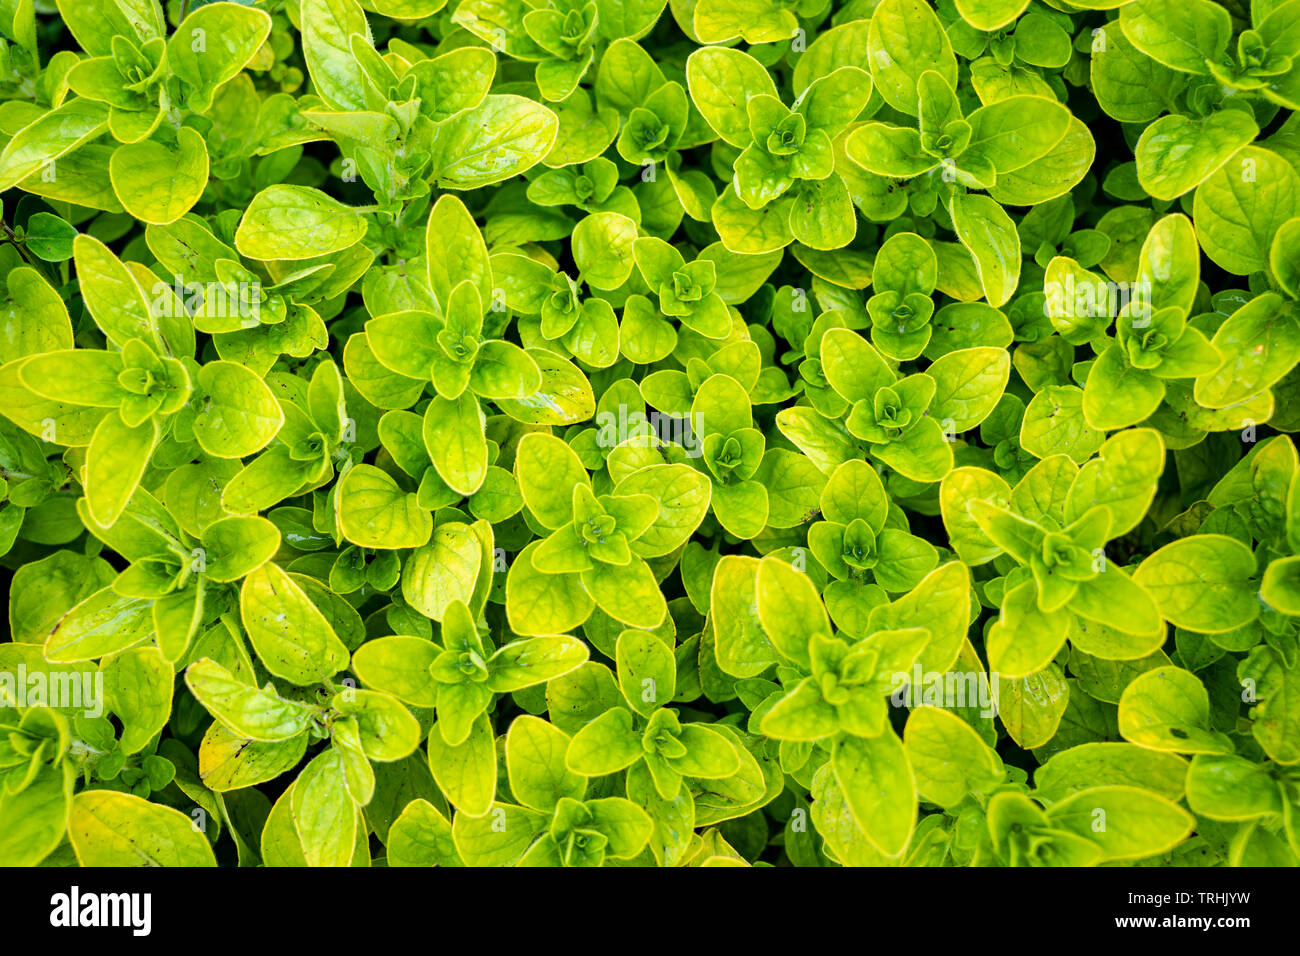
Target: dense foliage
540,432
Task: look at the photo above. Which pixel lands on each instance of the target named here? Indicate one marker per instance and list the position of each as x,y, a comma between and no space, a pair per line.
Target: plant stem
36,264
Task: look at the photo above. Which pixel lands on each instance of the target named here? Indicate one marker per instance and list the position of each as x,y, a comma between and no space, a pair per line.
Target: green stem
36,264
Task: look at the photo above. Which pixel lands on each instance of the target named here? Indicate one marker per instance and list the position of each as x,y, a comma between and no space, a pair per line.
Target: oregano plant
650,432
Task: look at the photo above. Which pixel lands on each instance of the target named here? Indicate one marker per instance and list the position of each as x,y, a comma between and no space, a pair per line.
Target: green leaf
535,754
940,603
743,647
455,251
1111,764
36,817
801,716
1260,343
1240,207
853,367
1184,37
789,609
421,836
239,415
564,397
533,661
1122,477
229,762
49,137
990,15
947,757
758,21
103,623
1169,709
880,788
683,497
1025,638
138,688
627,593
1032,707
374,512
503,136
1129,85
969,383
1175,154
1274,717
327,26
602,249
289,633
1118,395
235,33
721,82
1126,822
467,772
959,487
1054,424
34,316
324,815
547,471
386,731
541,603
157,184
115,463
107,828
237,545
905,39
1280,588
444,570
647,671
296,222
754,231
990,236
41,592
454,439
50,238
1202,583
398,666
605,745
1228,787
1115,600
246,711
1284,257
1016,131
